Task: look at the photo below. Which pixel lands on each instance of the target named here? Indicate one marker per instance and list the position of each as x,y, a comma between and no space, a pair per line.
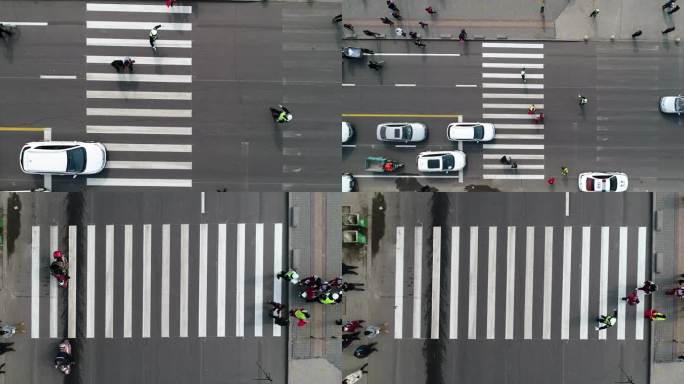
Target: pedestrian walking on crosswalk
463,35
392,6
606,321
648,287
386,20
505,160
669,4
582,100
153,36
594,13
128,64
654,315
279,314
355,376
350,326
363,351
337,19
290,276
564,171
118,65
531,109
372,331
301,315
430,10
632,298
522,75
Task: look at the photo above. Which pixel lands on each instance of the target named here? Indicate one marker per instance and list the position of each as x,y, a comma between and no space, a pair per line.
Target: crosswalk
549,282
142,117
517,134
159,281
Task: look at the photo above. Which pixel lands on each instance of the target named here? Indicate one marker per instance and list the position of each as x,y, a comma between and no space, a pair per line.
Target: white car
402,132
672,104
348,182
347,132
470,132
441,161
63,157
603,182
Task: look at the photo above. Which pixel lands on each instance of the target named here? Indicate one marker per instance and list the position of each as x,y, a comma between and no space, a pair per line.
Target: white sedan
402,132
348,182
63,157
672,104
603,182
441,161
347,131
470,132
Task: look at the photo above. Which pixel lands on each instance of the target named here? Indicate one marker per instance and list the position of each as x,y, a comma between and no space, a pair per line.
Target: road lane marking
414,54
520,166
498,156
404,146
139,112
453,282
466,85
510,106
202,281
123,182
417,278
90,283
522,116
144,60
435,284
149,165
548,276
398,284
258,279
404,85
529,283
138,95
109,281
641,277
603,279
519,126
21,129
398,115
516,136
73,282
513,177
510,282
513,85
221,281
58,77
145,26
491,284
567,265
54,288
139,130
202,201
472,285
513,65
240,282
26,23
487,75
127,147
408,176
93,42
512,95
622,283
184,277
142,78
123,7
584,283
513,45
493,55
147,280
165,279
510,146
128,282
277,267
35,282
567,203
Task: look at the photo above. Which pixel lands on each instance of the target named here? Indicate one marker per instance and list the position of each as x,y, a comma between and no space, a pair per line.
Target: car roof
38,160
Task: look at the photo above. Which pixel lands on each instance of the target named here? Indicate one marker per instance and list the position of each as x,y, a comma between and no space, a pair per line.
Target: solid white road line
567,203
127,147
408,176
149,165
137,8
165,279
603,277
148,60
139,130
436,264
497,156
513,45
510,146
518,116
54,288
184,277
548,276
143,78
58,77
221,281
417,278
513,65
529,283
513,96
240,282
515,136
622,283
491,55
510,106
404,146
147,280
109,281
35,282
520,166
415,54
398,283
641,277
93,42
584,283
466,85
513,85
145,26
128,282
258,279
139,112
348,85
25,23
277,267
122,182
567,268
472,285
491,284
512,177
453,282
404,85
202,281
90,283
510,282
73,286
489,75
139,95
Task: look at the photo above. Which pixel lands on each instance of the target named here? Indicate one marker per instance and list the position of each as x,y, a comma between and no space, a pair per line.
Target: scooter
9,330
64,360
60,268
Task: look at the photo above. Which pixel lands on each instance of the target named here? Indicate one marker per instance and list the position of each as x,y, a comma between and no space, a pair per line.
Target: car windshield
613,183
478,132
448,162
679,104
76,159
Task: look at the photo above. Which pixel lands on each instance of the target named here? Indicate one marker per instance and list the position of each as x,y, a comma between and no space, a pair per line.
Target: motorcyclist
58,268
64,360
281,115
388,166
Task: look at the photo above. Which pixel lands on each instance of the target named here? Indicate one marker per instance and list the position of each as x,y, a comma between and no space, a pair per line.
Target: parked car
347,131
603,182
441,161
402,132
470,132
63,157
672,104
348,182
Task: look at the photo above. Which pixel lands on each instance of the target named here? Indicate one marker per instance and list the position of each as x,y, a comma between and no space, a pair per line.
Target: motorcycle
9,330
59,268
64,359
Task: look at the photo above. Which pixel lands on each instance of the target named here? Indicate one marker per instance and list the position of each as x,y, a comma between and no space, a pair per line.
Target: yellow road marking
397,115
21,129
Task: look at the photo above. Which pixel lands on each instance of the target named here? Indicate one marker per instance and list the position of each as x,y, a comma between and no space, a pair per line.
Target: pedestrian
170,3
330,298
337,19
668,4
348,338
463,35
396,15
594,13
153,36
362,351
377,65
400,32
392,6
290,276
564,171
349,27
350,326
6,347
632,298
676,291
373,330
668,30
673,10
386,20
551,181
522,75
654,315
413,35
118,65
637,33
582,100
309,295
539,118
606,321
422,24
281,115
370,33
279,314
346,286
301,315
505,160
419,43
313,281
514,164
430,10
5,30
648,287
355,376
128,63
349,269
2,368
531,109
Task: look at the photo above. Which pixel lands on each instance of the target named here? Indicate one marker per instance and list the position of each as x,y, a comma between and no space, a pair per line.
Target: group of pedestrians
352,331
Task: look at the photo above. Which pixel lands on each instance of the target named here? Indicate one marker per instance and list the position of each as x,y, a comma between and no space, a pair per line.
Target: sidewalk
518,19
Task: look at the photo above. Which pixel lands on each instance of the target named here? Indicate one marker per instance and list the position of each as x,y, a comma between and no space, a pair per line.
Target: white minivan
470,132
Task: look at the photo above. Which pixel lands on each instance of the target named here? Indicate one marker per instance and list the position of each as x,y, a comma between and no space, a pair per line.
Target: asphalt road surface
620,129
159,291
493,288
192,114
